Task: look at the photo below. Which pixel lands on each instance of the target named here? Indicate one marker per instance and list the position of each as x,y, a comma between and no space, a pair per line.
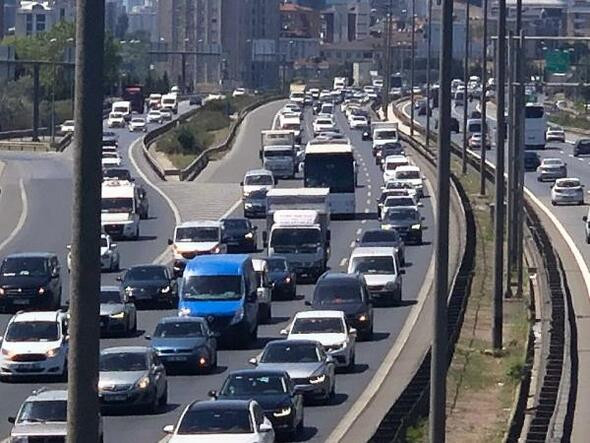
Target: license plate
29,366
21,301
177,358
116,397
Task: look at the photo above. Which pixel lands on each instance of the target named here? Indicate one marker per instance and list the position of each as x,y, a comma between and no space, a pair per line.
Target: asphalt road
320,420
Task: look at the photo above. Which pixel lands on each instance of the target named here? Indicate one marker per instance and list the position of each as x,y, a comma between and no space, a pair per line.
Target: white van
123,107
170,102
119,209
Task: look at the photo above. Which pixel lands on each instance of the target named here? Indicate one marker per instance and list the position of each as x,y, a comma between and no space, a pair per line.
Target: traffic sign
557,61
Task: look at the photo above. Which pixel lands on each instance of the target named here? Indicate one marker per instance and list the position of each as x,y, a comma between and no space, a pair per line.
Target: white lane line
366,210
368,185
343,262
367,174
581,159
363,222
369,194
561,151
571,156
23,215
359,230
231,209
368,201
352,243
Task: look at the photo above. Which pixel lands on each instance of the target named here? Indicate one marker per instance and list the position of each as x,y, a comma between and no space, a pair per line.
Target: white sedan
154,116
358,122
567,191
555,134
67,126
323,124
138,124
116,120
109,255
110,160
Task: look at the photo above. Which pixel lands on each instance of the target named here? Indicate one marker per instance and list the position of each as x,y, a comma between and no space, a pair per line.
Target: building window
29,23
62,14
40,23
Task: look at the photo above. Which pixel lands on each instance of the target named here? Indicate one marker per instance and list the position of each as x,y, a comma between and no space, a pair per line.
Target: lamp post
428,54
53,80
412,68
465,93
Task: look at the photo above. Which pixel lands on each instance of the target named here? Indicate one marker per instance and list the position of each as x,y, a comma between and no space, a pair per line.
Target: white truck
170,102
382,133
278,152
122,107
120,212
340,83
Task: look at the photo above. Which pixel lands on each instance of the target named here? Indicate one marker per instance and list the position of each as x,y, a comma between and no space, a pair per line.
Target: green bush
185,139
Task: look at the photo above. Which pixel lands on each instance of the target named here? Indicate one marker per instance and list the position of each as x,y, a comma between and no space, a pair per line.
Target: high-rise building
346,20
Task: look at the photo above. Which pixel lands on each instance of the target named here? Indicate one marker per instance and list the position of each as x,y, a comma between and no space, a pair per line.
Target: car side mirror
212,393
148,337
265,427
11,419
352,331
260,155
265,238
119,278
585,218
307,303
241,183
170,242
168,429
402,272
253,361
284,332
114,245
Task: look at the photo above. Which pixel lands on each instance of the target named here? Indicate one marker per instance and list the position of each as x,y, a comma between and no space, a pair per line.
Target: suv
43,417
35,344
30,279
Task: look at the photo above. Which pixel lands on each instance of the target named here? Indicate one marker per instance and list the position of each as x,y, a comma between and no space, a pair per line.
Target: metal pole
36,102
412,66
183,57
438,367
499,209
519,138
483,101
428,54
387,54
53,106
84,331
511,168
465,81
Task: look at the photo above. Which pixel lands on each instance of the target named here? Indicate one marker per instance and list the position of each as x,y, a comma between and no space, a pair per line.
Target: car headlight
118,315
7,354
386,227
41,291
165,290
416,226
314,380
184,312
128,289
249,235
52,352
363,317
288,280
216,250
283,412
143,382
1,291
238,316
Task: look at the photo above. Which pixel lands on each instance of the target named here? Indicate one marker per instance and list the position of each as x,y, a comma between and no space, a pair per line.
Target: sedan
555,134
582,147
282,277
67,126
132,376
137,124
567,191
239,235
110,160
476,139
307,363
150,283
273,390
109,255
236,421
118,314
358,122
551,169
154,116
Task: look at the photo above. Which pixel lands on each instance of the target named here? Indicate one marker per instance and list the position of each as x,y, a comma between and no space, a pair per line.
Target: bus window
534,112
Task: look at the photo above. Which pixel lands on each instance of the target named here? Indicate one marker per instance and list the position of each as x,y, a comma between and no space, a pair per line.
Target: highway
47,180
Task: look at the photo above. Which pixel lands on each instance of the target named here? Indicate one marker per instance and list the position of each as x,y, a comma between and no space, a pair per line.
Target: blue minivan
222,289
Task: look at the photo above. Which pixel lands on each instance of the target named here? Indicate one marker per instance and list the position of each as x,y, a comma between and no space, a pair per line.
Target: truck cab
382,134
170,102
120,213
280,160
122,107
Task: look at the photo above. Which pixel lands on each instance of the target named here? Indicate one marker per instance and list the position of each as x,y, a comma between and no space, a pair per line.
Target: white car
401,185
67,126
358,122
567,191
391,163
257,180
109,255
34,344
110,159
138,124
397,201
166,114
238,92
116,120
328,328
412,175
154,116
555,134
551,169
235,421
323,124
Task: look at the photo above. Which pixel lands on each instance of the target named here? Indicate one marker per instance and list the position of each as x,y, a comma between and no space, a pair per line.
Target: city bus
331,165
535,126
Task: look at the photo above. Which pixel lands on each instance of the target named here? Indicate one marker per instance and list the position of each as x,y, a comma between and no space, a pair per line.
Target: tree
121,26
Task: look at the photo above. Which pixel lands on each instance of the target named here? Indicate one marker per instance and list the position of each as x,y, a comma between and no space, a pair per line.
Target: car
407,186
391,163
110,259
42,417
67,127
382,271
273,390
30,280
121,174
195,100
143,204
238,92
566,191
531,161
551,169
263,290
383,238
110,160
330,329
587,226
284,280
410,174
154,116
395,201
118,315
322,124
236,421
255,185
166,114
116,120
138,124
385,150
359,122
582,147
475,141
239,235
346,292
150,283
132,376
185,343
306,361
35,344
475,114
406,221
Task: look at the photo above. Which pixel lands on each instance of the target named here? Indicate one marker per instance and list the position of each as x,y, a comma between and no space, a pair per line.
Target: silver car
118,314
307,363
551,169
132,376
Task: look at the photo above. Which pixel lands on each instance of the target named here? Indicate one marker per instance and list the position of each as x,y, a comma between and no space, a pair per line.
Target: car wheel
588,239
553,202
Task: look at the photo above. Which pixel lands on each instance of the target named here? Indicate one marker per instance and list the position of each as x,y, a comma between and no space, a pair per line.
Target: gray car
306,362
118,314
132,376
406,221
185,342
42,417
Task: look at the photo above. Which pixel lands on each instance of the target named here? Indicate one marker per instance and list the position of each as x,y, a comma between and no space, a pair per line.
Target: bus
331,165
535,126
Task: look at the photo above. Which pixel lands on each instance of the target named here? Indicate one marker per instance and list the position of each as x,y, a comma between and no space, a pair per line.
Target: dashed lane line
22,218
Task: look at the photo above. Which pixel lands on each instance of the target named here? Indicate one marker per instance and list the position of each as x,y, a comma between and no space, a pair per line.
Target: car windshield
212,287
24,266
179,329
146,273
276,265
373,265
552,162
295,240
122,362
103,242
253,385
531,156
259,180
391,202
337,293
291,353
110,297
138,120
197,234
334,171
287,152
236,225
407,175
400,215
114,205
43,411
385,135
569,184
120,174
39,331
392,165
110,155
379,237
324,122
215,421
318,325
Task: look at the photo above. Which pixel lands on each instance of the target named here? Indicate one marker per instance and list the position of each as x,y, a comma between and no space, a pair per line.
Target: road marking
343,262
561,151
581,159
571,156
366,210
368,201
352,243
369,194
22,218
363,222
231,209
368,185
359,230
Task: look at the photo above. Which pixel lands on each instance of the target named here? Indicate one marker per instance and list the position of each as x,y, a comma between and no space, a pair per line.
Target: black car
282,276
149,283
347,293
30,280
475,114
582,147
386,149
384,238
122,174
273,390
531,161
195,100
239,235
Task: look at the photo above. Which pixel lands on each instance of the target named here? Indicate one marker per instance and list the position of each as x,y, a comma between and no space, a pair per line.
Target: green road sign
557,61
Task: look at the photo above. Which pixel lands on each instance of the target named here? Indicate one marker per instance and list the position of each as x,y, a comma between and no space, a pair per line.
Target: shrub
185,139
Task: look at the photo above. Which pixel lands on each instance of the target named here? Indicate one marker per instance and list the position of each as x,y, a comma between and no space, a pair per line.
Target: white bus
535,126
331,165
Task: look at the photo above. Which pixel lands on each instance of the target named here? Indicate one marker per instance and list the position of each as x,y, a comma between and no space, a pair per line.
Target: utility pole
499,209
387,54
483,101
510,224
465,81
520,143
428,54
412,66
439,360
36,102
83,406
